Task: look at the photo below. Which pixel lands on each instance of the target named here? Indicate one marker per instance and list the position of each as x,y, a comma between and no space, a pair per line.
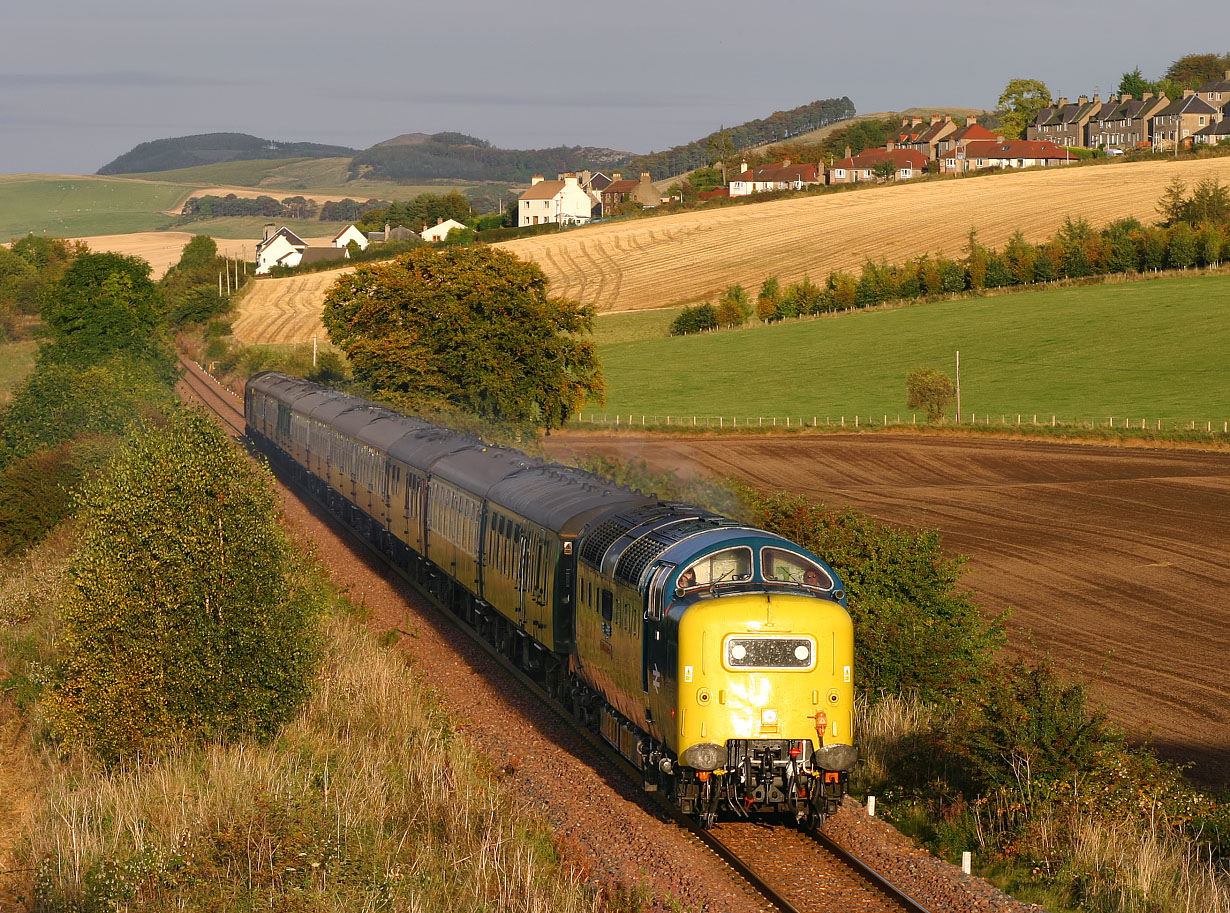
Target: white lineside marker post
966,858
871,806
313,351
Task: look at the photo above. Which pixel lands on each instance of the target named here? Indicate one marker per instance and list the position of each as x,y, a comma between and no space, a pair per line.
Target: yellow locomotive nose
776,662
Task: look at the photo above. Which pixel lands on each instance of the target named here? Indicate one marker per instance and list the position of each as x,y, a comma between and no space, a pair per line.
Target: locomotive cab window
730,564
778,564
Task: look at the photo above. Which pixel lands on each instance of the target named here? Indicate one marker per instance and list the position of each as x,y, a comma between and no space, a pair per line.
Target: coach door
522,572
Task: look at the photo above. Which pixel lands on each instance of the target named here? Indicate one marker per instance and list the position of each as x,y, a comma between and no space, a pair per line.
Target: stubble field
1112,560
689,257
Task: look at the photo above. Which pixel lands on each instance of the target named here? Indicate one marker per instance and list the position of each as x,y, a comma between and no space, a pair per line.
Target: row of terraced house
936,144
1122,122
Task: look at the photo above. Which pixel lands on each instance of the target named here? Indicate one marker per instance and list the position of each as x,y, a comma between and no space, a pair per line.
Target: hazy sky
83,81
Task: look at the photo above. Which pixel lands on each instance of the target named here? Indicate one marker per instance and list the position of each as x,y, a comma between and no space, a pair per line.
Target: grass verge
368,800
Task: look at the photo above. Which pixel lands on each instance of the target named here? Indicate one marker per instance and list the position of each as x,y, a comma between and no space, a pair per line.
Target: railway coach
715,656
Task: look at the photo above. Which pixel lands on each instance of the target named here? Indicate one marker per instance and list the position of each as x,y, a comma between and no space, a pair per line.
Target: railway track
792,870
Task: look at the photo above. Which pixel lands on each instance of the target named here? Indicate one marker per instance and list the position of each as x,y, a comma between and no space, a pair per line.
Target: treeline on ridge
723,143
460,157
212,149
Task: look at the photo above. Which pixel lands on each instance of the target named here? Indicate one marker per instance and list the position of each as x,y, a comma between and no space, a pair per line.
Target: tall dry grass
1096,860
367,801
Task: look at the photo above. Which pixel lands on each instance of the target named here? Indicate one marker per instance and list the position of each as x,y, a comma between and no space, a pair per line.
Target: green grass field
1152,349
69,208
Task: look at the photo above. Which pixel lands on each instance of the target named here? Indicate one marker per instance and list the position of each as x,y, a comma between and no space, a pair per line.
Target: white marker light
738,651
768,717
801,652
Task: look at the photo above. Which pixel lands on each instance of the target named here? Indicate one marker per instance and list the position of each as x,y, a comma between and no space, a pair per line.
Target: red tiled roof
1016,149
972,132
710,194
621,186
901,158
783,173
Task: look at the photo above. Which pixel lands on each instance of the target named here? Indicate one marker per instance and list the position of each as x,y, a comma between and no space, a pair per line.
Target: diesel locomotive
714,656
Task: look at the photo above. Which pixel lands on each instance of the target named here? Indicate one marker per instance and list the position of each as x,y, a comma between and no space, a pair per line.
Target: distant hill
416,157
211,149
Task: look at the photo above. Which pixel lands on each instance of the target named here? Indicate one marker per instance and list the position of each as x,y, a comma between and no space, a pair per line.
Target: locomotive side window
727,565
749,653
790,567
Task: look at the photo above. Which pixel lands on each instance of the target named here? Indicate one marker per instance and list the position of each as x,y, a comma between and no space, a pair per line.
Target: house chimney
536,179
742,167
1127,96
570,180
936,118
1146,96
915,121
905,121
616,176
645,178
785,163
439,221
1097,99
847,152
1188,93
1062,101
970,120
1083,100
890,145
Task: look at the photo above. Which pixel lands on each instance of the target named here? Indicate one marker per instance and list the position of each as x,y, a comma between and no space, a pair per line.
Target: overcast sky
82,81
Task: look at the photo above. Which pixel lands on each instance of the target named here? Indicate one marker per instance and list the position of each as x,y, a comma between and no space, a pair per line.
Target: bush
1029,727
914,630
187,618
694,320
60,401
37,491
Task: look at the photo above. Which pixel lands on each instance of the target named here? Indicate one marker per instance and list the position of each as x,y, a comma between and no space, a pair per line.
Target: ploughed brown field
689,257
1114,560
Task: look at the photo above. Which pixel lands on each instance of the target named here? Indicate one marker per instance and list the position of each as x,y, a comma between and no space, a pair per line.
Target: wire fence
973,419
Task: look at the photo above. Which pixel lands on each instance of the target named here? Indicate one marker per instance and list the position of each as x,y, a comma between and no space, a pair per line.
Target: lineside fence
830,422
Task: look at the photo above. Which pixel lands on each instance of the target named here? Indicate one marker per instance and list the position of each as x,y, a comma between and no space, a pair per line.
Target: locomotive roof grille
636,557
597,542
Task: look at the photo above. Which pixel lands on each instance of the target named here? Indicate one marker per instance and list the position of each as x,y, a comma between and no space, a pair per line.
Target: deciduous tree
1019,104
470,328
929,390
186,617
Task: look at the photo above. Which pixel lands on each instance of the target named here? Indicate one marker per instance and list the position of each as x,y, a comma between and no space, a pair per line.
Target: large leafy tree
469,328
1192,70
1019,104
1135,84
104,304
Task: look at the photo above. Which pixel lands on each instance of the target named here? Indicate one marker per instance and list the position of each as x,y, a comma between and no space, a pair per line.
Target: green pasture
75,207
1151,349
285,177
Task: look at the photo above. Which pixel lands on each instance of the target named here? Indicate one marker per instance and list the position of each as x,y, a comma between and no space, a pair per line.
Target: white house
440,230
348,234
279,248
554,201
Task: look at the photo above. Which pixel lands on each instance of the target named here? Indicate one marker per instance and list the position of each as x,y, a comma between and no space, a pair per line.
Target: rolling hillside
689,257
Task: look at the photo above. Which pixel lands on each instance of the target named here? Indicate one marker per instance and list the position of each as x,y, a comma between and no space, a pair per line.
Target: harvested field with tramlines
690,257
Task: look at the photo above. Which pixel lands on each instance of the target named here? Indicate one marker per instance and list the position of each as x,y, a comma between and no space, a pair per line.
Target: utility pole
958,386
